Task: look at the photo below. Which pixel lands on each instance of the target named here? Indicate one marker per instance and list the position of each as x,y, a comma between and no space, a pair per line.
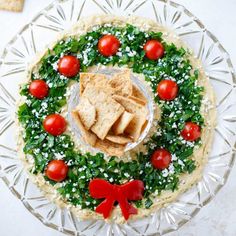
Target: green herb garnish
43,147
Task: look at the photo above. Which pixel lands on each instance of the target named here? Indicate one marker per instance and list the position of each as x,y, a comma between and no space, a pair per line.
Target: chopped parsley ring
84,167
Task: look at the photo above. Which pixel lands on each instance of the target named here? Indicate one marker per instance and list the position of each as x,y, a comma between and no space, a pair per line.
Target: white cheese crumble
55,66
111,180
106,175
126,175
59,156
173,157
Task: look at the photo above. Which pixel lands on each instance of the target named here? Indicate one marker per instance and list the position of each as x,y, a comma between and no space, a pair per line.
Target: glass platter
42,30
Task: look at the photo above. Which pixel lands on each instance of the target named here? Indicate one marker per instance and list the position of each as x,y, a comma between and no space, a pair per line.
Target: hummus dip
200,151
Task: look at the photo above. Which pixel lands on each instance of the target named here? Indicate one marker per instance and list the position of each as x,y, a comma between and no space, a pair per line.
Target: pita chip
138,94
12,5
108,110
87,112
134,128
122,123
91,78
121,83
138,100
112,149
118,139
88,136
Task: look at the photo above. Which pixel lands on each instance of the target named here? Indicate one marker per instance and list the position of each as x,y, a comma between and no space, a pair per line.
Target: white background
217,218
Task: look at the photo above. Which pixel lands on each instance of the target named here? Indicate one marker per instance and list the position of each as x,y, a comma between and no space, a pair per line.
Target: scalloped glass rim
167,219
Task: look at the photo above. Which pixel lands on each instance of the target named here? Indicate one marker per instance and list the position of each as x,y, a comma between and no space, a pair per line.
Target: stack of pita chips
111,112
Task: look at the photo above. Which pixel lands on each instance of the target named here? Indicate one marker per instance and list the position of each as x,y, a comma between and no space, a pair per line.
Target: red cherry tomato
108,45
54,124
153,49
161,159
167,90
69,66
38,88
57,170
191,131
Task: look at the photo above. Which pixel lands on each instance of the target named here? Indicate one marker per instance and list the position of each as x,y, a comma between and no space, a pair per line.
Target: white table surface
219,216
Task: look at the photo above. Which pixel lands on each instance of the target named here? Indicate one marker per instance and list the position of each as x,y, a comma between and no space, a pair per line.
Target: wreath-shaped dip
167,155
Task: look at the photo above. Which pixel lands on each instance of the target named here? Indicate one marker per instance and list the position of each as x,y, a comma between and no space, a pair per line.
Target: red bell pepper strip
133,190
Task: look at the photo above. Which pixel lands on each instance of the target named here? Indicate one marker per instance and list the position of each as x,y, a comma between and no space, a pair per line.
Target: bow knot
100,188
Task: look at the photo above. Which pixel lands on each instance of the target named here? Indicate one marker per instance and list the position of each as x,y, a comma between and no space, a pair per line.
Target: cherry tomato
191,131
38,88
108,45
153,49
57,170
161,159
167,90
54,124
69,66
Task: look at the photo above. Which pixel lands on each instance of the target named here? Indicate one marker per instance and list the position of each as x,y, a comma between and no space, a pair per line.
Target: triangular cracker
135,126
112,149
122,123
118,139
92,78
138,94
88,136
121,83
108,110
87,112
138,100
12,5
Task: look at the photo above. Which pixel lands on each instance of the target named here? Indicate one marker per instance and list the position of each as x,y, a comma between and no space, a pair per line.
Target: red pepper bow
100,188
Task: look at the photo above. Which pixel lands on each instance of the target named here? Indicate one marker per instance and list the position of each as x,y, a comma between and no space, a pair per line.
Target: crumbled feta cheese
126,175
173,157
55,66
180,162
171,168
59,156
165,173
111,180
174,126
